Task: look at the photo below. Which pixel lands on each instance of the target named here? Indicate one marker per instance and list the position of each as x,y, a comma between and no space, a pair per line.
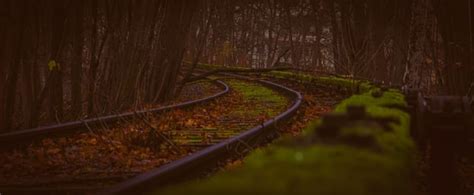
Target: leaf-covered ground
197,90
464,167
113,153
191,91
466,171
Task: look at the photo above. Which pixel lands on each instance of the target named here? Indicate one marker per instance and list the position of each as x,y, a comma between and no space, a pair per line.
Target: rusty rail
14,138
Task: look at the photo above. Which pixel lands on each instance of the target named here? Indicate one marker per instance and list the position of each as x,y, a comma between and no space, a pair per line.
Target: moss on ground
213,67
307,170
270,102
246,107
335,167
324,80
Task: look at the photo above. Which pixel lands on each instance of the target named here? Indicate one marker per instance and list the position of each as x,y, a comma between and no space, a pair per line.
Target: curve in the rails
16,137
207,158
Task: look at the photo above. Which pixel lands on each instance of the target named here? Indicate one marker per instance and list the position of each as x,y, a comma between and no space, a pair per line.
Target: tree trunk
93,58
454,22
56,90
76,69
336,37
17,18
175,28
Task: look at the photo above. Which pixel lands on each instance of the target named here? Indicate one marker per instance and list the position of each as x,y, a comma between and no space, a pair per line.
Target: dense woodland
63,60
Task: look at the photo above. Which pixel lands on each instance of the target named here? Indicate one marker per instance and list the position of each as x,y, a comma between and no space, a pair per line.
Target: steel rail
207,158
14,138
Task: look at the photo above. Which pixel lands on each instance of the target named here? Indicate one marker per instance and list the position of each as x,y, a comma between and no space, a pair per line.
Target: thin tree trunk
94,61
76,69
56,93
16,34
176,25
335,37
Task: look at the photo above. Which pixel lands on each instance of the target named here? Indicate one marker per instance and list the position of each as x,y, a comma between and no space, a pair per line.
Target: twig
161,135
470,92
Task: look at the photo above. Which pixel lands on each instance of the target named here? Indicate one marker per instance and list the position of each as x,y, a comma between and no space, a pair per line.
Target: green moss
329,80
254,91
326,80
311,170
397,142
267,101
213,67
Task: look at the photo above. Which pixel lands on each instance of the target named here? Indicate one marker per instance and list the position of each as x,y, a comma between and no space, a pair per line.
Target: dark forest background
64,60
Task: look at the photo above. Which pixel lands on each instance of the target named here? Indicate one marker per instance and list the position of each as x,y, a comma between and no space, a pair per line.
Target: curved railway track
219,145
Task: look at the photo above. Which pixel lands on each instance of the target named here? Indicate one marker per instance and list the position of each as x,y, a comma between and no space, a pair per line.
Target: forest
236,96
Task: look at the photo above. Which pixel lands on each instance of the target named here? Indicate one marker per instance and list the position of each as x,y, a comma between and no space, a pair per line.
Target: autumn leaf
189,123
52,64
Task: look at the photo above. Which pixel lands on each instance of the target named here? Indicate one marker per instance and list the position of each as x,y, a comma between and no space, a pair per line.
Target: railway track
195,147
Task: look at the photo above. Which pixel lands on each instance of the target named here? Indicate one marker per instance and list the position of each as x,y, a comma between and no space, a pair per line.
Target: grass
334,166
